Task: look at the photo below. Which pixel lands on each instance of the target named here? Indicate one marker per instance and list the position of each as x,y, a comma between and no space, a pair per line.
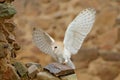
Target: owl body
74,37
60,55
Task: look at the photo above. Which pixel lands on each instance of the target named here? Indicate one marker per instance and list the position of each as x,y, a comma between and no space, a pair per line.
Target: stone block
10,26
59,69
3,49
32,63
6,11
46,76
32,71
16,46
2,37
85,56
21,69
69,77
110,56
10,38
104,70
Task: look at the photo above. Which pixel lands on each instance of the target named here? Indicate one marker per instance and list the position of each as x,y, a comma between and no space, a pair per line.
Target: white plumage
78,30
74,37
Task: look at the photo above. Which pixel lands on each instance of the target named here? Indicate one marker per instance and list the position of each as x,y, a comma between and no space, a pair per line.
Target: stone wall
8,44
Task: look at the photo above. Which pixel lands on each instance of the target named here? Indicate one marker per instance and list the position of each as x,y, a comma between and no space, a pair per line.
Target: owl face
55,47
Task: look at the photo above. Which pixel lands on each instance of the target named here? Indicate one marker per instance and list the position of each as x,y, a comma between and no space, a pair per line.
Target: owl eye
55,47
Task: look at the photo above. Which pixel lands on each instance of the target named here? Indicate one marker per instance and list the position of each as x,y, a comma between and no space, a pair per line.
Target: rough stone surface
16,46
46,76
105,70
59,69
32,63
2,37
3,66
6,11
69,77
85,56
32,71
21,69
2,1
118,35
10,26
3,49
118,20
118,77
10,74
110,56
11,38
87,76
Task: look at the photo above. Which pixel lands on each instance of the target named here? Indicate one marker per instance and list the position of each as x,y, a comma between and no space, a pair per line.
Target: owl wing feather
78,30
43,41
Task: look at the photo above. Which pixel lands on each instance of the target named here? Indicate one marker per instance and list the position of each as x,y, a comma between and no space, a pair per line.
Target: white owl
74,37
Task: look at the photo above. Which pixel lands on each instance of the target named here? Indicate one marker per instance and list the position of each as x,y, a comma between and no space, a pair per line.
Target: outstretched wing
78,30
43,41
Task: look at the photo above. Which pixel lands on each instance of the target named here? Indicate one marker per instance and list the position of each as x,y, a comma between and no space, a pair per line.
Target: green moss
6,11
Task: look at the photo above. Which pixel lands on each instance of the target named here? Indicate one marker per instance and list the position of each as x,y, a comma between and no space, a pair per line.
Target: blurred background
99,57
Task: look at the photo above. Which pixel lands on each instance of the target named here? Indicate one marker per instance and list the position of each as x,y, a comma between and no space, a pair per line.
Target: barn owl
74,37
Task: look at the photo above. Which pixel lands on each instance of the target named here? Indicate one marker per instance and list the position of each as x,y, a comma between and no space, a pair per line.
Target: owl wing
78,30
43,41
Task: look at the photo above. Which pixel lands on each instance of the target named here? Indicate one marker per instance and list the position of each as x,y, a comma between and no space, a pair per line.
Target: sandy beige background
53,16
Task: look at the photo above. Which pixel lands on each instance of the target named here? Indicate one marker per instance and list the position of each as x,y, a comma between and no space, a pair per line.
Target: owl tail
70,63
